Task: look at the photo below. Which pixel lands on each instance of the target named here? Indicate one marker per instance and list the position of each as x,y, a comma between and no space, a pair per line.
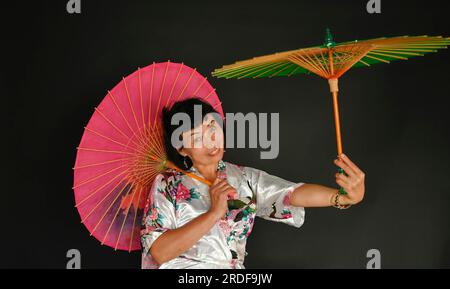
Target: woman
188,224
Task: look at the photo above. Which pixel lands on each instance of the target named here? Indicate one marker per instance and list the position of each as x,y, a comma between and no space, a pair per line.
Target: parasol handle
333,82
205,181
169,164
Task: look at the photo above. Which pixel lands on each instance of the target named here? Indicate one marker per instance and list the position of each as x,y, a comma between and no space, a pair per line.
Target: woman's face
205,143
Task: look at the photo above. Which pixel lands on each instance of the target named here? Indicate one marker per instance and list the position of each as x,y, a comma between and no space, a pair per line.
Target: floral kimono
175,199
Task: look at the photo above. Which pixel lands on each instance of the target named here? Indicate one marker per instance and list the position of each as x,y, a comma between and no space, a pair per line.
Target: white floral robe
175,199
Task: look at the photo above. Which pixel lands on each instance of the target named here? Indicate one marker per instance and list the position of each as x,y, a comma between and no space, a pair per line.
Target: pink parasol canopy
111,175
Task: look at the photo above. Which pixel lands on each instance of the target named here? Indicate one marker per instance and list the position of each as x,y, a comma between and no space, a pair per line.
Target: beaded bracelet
338,205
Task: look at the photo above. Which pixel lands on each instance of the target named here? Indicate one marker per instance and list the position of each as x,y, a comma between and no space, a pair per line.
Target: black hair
184,106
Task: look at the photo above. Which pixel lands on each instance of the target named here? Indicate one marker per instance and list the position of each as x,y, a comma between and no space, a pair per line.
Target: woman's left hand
352,183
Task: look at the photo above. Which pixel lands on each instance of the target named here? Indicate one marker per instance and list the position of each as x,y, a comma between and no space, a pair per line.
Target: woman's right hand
219,192
174,242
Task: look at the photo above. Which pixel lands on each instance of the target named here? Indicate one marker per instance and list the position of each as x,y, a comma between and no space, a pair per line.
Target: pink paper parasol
114,168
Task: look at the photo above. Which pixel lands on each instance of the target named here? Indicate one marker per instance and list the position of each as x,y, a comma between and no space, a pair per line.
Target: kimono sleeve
159,216
273,198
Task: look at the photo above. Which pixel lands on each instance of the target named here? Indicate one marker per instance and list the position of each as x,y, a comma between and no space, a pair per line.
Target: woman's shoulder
233,166
164,186
242,168
246,172
167,178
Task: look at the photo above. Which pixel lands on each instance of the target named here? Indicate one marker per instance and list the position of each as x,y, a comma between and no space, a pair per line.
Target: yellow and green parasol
331,60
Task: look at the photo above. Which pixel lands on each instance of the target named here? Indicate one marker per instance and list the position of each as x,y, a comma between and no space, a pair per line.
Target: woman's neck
209,171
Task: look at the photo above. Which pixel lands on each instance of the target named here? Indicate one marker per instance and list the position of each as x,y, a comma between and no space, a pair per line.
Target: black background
57,67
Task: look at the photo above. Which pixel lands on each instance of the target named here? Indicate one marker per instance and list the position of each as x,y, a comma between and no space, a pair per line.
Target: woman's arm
173,243
313,195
